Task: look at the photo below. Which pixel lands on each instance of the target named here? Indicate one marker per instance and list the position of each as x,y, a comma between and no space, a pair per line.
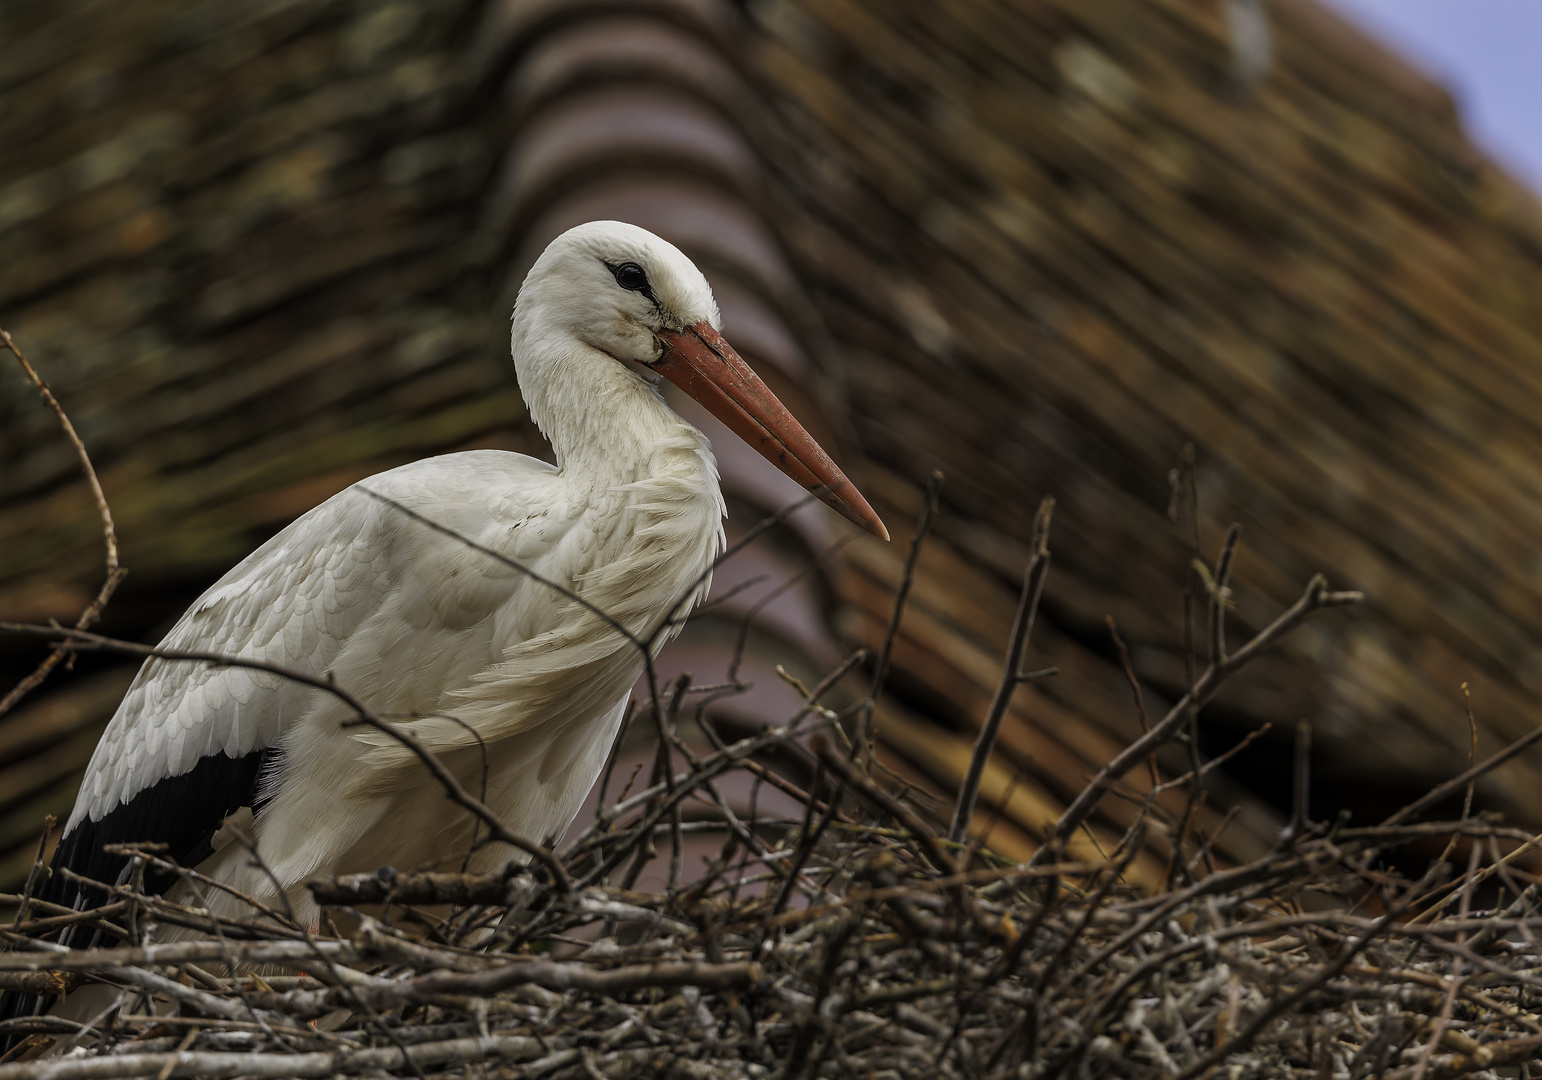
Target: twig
880,798
1488,1056
49,823
1285,1002
863,734
176,952
1135,691
1454,982
1012,674
1316,597
463,888
753,612
551,975
733,756
212,1065
1300,814
115,572
1220,593
1220,759
1457,783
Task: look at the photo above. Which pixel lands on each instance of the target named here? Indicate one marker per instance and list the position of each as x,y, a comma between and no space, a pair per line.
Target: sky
1488,52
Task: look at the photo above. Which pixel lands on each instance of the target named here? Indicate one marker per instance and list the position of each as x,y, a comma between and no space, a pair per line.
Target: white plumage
416,623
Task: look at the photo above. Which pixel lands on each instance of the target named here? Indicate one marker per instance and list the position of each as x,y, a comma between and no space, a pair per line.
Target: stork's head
637,299
617,287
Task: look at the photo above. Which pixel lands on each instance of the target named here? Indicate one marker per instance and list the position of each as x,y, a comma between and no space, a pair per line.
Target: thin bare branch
1316,597
1012,674
115,572
863,733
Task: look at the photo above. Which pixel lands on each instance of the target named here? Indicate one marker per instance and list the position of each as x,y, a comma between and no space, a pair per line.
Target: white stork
418,624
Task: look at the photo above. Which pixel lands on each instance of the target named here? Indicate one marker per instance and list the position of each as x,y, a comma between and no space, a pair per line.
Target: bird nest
853,939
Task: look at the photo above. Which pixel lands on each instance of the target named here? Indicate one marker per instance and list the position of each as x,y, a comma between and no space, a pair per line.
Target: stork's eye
630,276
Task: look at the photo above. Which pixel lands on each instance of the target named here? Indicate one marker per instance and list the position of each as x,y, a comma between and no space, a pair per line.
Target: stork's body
418,624
474,654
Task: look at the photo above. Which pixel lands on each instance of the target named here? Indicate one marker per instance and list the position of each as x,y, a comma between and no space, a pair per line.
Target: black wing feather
182,812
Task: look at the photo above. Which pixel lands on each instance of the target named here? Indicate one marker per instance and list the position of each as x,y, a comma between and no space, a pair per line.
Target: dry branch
115,572
1316,597
1012,673
428,888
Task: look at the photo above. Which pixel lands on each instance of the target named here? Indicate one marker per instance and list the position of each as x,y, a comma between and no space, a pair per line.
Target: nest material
852,942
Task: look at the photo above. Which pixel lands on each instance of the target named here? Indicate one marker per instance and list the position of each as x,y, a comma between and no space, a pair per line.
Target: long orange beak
701,363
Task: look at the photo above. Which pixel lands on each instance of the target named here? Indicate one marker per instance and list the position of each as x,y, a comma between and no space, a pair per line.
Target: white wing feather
348,586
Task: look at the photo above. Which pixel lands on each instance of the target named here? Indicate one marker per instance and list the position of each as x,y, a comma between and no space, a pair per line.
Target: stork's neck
646,478
607,425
